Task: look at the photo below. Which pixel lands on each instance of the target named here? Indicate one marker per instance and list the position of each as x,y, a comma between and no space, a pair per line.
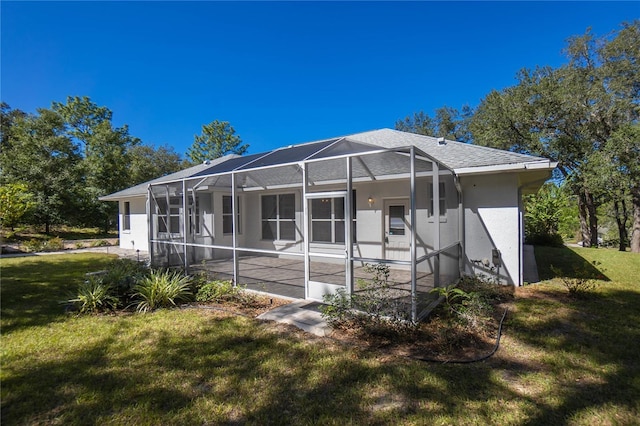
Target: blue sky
280,73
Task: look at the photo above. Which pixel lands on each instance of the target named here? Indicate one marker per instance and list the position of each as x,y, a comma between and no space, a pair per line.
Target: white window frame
442,199
277,220
227,215
126,216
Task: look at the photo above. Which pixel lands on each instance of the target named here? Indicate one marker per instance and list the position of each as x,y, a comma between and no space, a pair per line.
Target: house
303,220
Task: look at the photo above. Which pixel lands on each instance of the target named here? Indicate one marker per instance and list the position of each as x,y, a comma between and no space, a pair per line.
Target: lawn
561,361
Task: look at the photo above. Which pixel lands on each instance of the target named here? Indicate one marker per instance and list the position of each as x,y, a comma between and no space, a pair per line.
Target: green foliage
221,291
147,163
94,295
218,139
122,275
32,246
99,243
162,289
53,244
374,308
448,123
15,202
579,283
544,212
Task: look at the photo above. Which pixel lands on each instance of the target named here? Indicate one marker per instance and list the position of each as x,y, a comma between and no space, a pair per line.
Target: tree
15,202
218,138
38,152
448,123
105,160
543,213
570,113
8,117
146,162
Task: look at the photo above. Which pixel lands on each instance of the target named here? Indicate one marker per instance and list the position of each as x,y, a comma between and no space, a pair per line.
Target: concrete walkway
303,314
122,252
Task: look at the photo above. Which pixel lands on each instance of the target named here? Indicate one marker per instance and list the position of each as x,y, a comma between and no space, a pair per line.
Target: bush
579,284
123,275
53,244
162,289
216,291
94,296
32,246
375,308
99,243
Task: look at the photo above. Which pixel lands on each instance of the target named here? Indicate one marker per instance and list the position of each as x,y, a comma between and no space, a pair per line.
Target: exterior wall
492,217
137,237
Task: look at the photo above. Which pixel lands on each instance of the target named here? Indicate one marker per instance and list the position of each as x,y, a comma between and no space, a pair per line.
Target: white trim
546,164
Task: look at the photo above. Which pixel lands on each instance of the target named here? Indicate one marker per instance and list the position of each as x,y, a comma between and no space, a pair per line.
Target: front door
397,236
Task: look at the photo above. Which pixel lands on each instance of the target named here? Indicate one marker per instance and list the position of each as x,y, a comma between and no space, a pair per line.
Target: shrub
579,284
375,308
33,245
99,243
216,291
53,244
79,245
123,275
162,289
94,296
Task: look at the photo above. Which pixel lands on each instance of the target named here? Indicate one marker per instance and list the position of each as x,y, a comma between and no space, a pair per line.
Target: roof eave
514,167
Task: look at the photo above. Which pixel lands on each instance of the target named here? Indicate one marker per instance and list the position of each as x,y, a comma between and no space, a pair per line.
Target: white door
397,236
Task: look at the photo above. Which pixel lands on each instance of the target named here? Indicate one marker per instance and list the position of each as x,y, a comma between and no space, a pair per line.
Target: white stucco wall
137,237
491,206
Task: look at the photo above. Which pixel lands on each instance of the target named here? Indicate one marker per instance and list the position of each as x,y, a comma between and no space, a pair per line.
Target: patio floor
285,277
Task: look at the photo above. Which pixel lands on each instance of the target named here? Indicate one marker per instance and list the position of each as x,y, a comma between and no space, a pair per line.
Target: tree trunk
584,228
621,221
593,219
47,227
635,233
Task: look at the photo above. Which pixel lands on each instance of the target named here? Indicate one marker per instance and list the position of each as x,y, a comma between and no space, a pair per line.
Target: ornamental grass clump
162,289
94,296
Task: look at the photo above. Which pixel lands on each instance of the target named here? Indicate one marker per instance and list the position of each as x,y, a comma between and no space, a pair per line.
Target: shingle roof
457,156
454,155
141,189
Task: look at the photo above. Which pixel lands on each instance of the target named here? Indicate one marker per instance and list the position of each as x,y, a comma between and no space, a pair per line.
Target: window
396,220
169,219
327,220
126,217
227,215
442,200
279,217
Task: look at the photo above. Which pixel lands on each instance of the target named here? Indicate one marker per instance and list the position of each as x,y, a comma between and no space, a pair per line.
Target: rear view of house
302,221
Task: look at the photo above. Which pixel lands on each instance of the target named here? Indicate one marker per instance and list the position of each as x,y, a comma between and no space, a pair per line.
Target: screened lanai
303,221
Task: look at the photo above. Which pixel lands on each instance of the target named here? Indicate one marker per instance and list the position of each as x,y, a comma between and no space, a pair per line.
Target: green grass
562,361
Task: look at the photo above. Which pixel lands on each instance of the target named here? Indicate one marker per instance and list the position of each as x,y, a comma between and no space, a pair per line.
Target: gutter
535,165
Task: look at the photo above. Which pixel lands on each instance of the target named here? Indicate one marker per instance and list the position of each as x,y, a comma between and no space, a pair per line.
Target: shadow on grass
591,349
568,261
33,287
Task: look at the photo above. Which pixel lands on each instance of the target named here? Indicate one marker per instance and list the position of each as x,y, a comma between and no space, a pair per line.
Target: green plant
123,274
53,244
99,243
94,296
375,307
33,245
579,284
161,289
216,291
79,245
452,295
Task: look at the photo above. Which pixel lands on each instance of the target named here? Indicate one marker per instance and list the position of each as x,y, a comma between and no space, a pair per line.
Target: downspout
234,228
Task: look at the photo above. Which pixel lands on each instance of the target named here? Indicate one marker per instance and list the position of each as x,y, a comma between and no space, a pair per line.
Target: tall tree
570,113
40,154
105,160
147,162
218,138
447,122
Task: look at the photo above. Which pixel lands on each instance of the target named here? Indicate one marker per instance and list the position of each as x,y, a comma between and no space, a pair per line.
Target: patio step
303,314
